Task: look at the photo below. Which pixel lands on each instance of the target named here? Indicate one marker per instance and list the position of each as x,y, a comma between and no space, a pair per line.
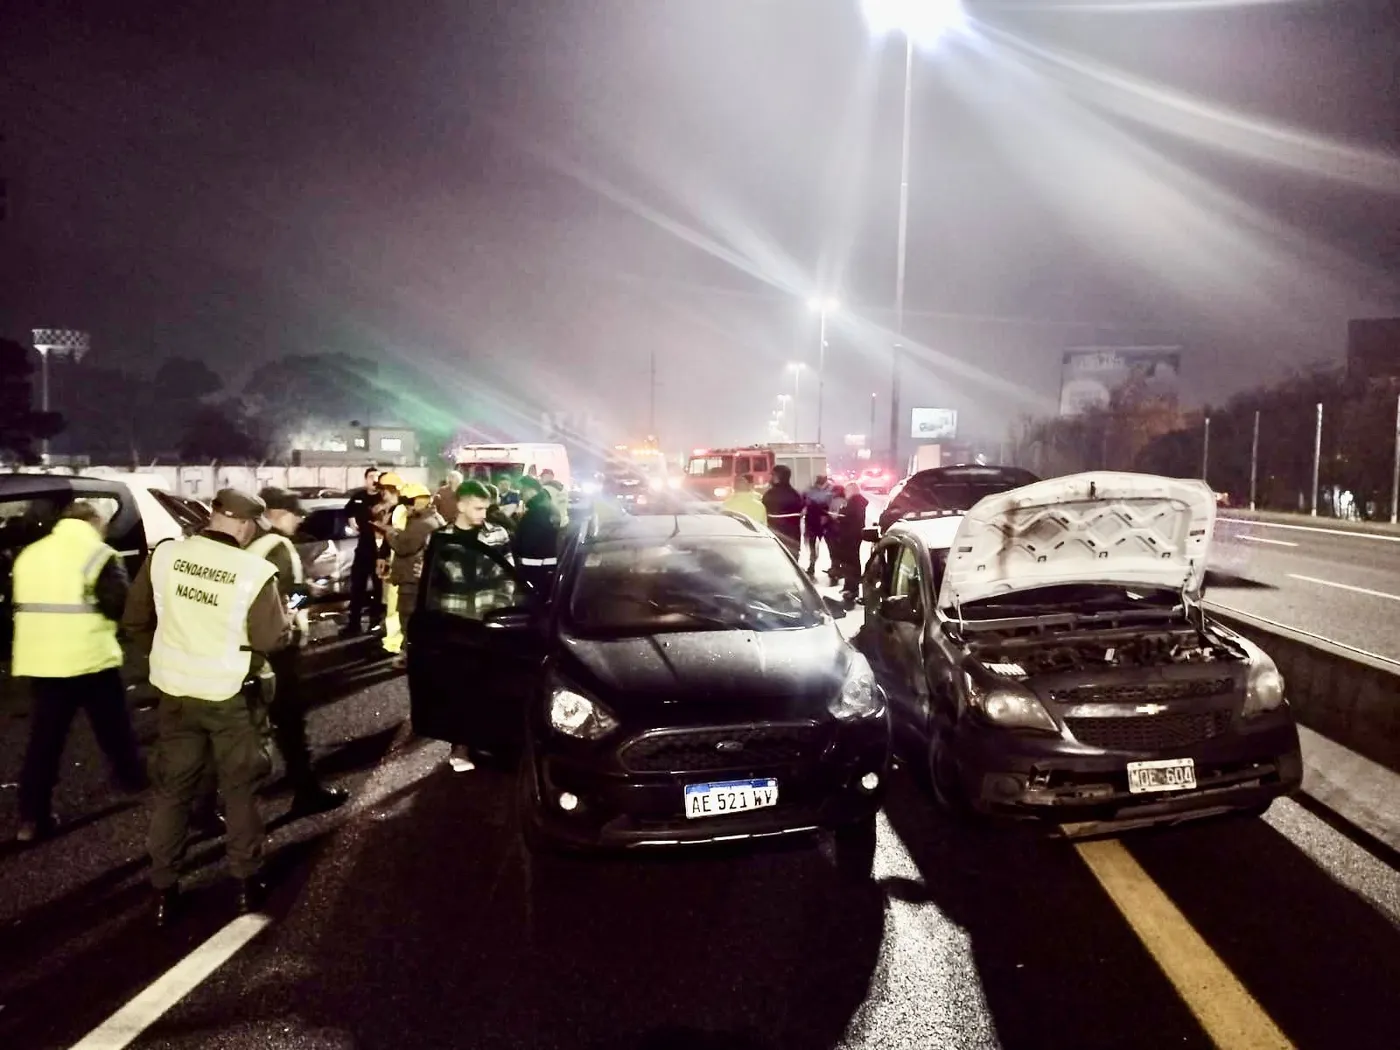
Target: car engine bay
1025,656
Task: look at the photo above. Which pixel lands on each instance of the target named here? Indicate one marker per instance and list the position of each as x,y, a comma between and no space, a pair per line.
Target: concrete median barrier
1349,696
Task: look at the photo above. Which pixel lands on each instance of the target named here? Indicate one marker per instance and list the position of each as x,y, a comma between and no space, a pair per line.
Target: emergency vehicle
532,458
710,473
646,459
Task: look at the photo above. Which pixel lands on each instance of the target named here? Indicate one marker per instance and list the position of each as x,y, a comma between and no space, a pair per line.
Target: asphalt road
414,918
1341,585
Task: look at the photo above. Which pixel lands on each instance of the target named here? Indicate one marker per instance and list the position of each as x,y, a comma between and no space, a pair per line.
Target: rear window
188,514
743,583
323,526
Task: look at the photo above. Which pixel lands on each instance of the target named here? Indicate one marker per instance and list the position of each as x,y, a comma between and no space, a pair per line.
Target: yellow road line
1230,1016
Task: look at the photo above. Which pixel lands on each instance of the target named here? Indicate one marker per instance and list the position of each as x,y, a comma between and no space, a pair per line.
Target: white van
530,458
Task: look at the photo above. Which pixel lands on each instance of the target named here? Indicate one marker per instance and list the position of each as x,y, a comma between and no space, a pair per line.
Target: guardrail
1348,695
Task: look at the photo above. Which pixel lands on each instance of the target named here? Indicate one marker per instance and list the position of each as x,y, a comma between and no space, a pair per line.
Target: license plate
730,796
1166,774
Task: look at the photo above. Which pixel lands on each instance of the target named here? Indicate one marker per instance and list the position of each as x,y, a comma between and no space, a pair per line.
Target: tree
20,426
217,432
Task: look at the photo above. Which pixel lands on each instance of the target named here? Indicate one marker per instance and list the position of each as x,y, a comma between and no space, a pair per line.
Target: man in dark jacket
784,506
818,504
364,582
846,541
536,541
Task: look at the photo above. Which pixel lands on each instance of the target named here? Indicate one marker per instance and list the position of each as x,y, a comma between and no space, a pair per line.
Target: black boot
252,892
316,798
167,906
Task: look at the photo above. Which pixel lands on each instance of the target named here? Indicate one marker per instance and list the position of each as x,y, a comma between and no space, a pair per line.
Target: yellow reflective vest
203,590
59,631
263,547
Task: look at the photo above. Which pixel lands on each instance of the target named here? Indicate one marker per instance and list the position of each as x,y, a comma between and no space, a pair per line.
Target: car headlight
591,488
1011,707
572,713
673,483
859,695
1264,690
722,492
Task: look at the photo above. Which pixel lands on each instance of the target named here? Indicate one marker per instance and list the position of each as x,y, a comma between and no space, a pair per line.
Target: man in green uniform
208,612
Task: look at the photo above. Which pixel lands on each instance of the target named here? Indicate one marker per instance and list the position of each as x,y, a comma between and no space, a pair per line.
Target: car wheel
855,850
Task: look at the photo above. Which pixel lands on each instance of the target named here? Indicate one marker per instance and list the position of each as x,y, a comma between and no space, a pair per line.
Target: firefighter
208,613
282,682
69,591
746,501
389,514
407,545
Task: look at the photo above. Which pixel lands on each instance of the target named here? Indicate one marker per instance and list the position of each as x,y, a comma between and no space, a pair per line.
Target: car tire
855,850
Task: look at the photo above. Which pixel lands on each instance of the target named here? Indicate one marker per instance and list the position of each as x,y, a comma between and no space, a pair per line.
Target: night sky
536,195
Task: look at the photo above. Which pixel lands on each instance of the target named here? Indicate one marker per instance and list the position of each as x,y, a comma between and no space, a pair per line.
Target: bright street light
826,306
924,23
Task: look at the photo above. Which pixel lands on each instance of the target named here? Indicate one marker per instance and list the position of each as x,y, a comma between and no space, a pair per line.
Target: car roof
323,503
651,527
25,484
934,532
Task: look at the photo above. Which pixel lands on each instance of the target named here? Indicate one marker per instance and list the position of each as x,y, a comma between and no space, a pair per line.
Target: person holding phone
282,683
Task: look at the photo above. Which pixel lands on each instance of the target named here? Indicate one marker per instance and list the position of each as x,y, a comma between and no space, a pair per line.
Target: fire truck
710,472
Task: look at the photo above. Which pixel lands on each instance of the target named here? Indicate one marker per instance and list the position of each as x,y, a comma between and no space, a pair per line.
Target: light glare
924,22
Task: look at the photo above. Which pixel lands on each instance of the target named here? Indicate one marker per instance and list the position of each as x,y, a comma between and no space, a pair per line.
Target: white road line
1345,587
1265,539
135,1017
1351,533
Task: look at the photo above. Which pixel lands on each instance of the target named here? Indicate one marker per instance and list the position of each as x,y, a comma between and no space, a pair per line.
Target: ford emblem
729,746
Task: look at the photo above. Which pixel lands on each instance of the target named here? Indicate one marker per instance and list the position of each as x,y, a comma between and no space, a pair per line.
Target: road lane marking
1265,539
1228,1013
1352,533
124,1026
1345,587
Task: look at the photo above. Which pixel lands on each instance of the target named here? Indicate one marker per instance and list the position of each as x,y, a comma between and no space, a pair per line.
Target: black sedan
1048,657
683,684
955,488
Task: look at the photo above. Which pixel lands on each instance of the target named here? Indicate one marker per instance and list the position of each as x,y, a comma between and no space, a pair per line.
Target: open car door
475,644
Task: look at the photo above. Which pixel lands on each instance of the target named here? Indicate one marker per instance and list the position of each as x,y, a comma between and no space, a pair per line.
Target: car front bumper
1051,779
622,810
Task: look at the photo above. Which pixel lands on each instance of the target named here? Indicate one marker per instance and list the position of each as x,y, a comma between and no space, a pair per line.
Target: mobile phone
296,601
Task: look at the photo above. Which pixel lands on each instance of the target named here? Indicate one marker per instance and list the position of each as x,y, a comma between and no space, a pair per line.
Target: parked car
139,515
950,488
327,540
684,683
1047,655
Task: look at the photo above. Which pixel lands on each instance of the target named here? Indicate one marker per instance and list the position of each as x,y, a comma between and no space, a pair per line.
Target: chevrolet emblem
1150,709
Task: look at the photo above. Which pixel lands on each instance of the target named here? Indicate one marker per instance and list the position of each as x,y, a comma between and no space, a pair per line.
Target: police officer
364,581
536,540
208,612
286,707
69,590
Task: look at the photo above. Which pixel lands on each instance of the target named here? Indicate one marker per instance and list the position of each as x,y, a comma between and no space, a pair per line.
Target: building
382,446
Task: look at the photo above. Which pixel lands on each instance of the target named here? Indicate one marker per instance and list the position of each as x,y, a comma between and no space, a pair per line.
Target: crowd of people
826,512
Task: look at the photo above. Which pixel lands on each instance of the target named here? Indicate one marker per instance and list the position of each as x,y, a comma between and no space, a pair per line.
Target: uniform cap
281,499
390,481
413,490
240,505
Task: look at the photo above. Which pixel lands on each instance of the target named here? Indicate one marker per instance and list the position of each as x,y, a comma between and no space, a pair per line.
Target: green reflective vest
59,631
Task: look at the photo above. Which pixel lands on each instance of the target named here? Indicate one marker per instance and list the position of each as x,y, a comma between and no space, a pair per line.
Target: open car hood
1136,530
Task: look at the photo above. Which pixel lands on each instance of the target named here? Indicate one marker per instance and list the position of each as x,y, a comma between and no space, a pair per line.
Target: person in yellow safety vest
408,544
208,613
386,515
746,501
286,706
69,591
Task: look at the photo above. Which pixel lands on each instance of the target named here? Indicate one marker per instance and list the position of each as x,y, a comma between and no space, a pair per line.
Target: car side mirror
900,608
835,606
514,618
871,535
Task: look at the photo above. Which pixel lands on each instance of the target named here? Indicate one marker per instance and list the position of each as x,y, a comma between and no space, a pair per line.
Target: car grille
712,748
1150,732
1144,693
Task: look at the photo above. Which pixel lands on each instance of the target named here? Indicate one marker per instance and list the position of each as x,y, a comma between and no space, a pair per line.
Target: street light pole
1205,454
796,397
1254,463
1395,471
1317,457
872,424
903,239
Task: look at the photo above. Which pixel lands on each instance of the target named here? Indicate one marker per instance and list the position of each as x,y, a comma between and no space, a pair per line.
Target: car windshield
740,583
710,466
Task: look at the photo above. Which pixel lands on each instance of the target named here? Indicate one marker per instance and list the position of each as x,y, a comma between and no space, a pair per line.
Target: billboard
934,424
1090,375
